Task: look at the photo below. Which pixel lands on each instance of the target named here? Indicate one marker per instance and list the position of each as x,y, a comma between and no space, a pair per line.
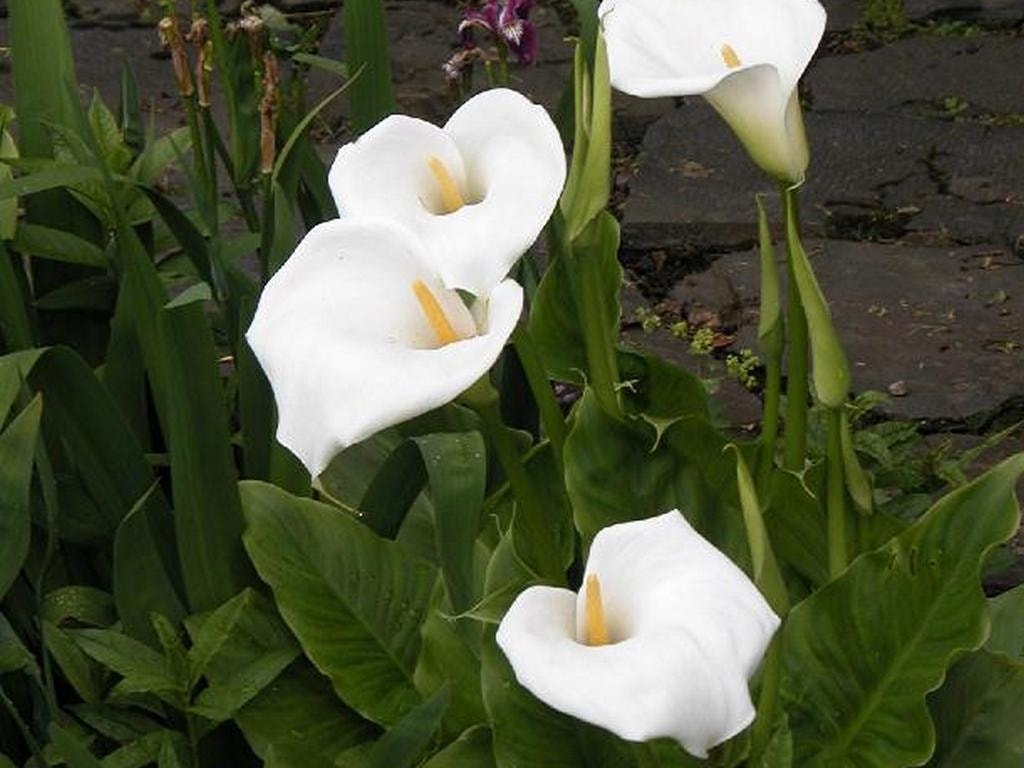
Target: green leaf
80,670
473,749
796,525
456,464
339,68
15,326
366,50
1007,612
860,654
405,742
216,630
58,245
301,711
50,178
73,751
396,484
14,656
208,519
17,453
354,601
769,326
589,180
129,120
223,700
977,713
143,669
146,575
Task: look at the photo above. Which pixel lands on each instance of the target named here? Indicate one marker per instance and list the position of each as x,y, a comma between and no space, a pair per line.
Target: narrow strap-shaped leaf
366,45
207,513
456,465
17,451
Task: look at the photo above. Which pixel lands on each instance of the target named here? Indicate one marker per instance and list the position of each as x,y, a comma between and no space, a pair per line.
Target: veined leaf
354,601
401,746
366,46
58,245
1007,611
861,653
977,713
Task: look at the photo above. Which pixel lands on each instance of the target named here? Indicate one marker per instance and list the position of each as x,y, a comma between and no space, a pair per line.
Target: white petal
766,119
504,153
345,343
674,47
678,47
688,630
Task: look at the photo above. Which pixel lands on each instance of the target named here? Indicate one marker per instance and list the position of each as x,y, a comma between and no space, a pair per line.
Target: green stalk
770,335
795,451
602,365
483,398
836,496
769,421
198,148
536,376
767,700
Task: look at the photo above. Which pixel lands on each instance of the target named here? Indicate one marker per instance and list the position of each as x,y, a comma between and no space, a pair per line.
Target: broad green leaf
223,700
660,392
1007,612
456,464
796,525
17,452
216,630
76,754
403,744
207,513
58,176
525,731
143,669
354,601
9,207
143,751
861,653
446,659
301,711
83,673
397,480
108,135
366,50
473,749
977,713
58,245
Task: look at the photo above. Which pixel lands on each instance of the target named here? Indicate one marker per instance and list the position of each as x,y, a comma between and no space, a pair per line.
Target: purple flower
508,22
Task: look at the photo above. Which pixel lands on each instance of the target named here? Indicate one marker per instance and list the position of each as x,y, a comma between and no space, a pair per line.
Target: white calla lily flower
477,192
744,56
659,642
357,332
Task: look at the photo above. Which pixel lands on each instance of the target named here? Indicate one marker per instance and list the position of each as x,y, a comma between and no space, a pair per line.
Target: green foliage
861,653
366,42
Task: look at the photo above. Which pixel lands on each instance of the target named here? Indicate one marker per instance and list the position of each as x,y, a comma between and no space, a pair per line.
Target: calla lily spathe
357,332
744,56
660,641
477,192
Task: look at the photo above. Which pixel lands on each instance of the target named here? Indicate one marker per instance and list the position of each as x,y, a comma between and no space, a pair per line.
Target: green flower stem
836,495
602,364
767,700
770,335
530,514
795,451
536,376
